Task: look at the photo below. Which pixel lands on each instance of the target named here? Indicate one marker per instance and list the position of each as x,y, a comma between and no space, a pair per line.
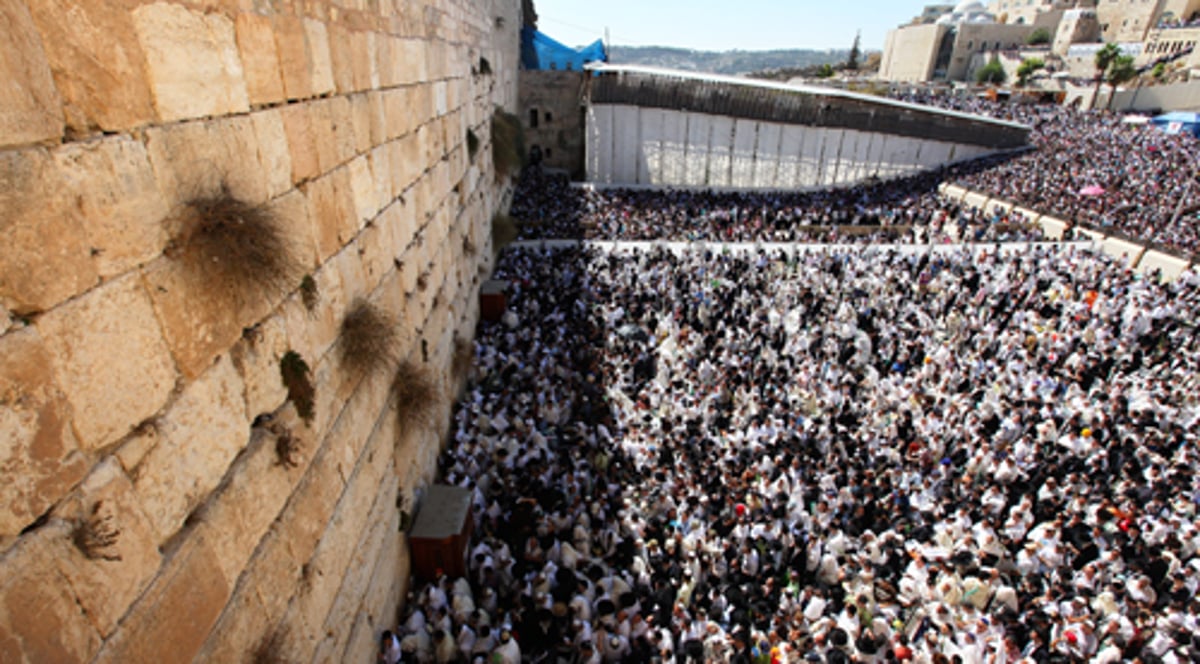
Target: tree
1039,36
1104,59
992,72
1027,68
1121,71
852,59
825,71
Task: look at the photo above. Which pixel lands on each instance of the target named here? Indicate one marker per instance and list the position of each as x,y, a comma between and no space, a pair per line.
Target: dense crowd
907,210
875,455
1148,177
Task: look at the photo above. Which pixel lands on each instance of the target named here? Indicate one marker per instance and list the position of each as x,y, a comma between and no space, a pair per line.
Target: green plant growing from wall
1039,37
416,396
992,72
1027,69
472,144
368,339
297,378
508,143
237,248
309,294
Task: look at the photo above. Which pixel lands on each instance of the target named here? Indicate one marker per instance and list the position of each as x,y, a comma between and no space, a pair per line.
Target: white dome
970,7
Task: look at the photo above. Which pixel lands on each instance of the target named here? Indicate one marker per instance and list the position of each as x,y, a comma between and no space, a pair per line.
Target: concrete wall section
652,146
1169,266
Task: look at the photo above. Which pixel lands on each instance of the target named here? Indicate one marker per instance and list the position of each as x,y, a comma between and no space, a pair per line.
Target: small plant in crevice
297,378
96,534
468,246
287,445
423,281
368,338
234,247
485,67
505,229
508,143
309,294
472,145
270,647
415,393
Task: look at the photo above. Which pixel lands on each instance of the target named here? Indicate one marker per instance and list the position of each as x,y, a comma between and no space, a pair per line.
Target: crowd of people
1093,169
908,210
882,454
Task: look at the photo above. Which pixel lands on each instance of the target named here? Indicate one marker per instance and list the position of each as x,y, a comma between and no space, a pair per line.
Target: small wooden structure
492,299
442,530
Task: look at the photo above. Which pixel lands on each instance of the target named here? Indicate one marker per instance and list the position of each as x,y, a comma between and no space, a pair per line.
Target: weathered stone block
171,621
320,63
302,145
333,211
320,114
256,357
260,58
342,122
362,184
360,122
385,64
192,159
341,55
39,618
38,450
97,63
291,43
273,155
293,212
105,587
109,357
201,433
256,490
311,333
32,108
193,62
46,258
362,54
115,192
411,59
379,129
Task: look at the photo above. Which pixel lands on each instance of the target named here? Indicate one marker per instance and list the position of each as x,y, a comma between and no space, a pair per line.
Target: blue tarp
541,52
1174,123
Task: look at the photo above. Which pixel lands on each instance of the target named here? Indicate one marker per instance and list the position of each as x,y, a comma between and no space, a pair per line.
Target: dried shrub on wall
270,648
508,143
485,67
416,395
297,378
464,357
235,247
309,293
505,229
96,535
472,144
368,338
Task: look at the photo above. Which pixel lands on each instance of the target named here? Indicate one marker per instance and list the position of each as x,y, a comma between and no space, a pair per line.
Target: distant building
1025,12
944,49
550,95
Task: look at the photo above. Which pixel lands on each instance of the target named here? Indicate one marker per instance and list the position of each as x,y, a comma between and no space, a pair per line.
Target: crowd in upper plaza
868,456
905,210
1144,171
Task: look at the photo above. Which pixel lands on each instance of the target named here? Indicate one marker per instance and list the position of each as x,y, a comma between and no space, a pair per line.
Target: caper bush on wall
368,338
297,378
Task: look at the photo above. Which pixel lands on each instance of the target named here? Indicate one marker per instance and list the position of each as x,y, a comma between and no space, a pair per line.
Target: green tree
1121,71
852,59
1160,70
1039,36
825,71
1104,59
992,72
1027,68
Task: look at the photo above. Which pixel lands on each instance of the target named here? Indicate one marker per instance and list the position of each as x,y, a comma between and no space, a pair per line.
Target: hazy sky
749,25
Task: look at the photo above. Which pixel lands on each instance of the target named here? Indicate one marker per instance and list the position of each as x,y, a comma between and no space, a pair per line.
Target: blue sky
749,25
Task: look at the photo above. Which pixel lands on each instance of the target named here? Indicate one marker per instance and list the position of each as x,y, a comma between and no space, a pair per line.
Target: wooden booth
441,533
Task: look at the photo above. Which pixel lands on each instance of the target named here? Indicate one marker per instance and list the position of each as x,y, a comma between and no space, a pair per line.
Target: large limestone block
256,357
320,63
385,64
362,184
193,159
312,333
193,61
334,214
321,124
273,153
362,55
302,144
46,257
171,621
379,129
40,620
342,122
255,492
341,56
106,586
32,109
108,354
292,45
260,59
200,435
115,192
360,122
97,62
39,455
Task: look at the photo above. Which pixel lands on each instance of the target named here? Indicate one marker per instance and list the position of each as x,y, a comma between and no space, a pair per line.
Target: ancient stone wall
161,498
